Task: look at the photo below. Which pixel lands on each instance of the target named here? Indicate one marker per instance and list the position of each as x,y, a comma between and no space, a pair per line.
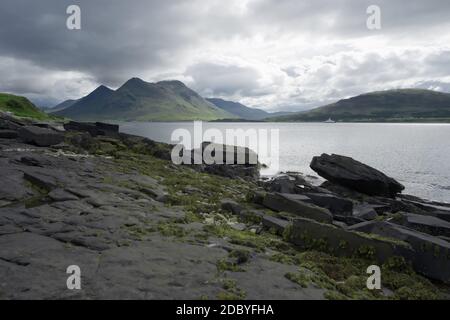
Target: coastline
117,197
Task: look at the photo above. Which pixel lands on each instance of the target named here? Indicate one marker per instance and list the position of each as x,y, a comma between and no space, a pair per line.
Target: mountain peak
133,82
101,90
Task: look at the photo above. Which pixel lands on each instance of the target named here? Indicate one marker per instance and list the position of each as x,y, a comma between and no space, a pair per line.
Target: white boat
330,121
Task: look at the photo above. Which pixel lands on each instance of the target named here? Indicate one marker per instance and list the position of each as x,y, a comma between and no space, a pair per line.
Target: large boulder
224,160
355,175
296,204
431,254
40,136
95,129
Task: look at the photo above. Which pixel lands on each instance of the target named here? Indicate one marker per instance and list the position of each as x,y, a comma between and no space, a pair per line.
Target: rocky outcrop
310,234
234,161
355,175
431,255
427,224
40,136
95,129
298,205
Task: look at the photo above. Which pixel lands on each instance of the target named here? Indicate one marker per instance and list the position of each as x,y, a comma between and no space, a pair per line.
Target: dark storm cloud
120,39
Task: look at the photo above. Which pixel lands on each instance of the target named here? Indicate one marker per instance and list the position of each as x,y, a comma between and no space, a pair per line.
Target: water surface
417,155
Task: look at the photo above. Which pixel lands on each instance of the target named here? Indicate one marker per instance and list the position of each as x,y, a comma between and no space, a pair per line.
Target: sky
277,55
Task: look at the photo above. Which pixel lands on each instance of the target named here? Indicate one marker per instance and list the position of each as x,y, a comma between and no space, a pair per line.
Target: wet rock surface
355,175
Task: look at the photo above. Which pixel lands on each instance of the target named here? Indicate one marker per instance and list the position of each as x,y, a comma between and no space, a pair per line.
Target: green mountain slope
392,105
61,106
239,109
243,111
21,107
137,100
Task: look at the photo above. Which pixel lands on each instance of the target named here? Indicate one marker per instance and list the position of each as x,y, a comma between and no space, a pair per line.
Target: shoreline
214,230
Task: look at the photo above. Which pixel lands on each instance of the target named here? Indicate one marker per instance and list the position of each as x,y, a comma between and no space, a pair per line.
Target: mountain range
173,101
137,100
244,112
403,105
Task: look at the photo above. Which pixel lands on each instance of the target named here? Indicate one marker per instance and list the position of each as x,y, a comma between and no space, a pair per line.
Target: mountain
143,101
63,105
21,107
239,109
404,105
242,111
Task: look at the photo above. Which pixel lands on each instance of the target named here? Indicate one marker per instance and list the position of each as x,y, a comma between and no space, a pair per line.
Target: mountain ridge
381,106
138,100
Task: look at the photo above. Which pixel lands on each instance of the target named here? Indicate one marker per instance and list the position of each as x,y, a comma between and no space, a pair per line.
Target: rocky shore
140,227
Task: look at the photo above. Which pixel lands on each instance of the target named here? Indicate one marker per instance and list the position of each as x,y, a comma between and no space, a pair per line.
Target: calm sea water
417,155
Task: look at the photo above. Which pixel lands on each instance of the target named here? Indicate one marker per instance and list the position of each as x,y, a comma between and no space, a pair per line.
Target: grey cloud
224,80
150,38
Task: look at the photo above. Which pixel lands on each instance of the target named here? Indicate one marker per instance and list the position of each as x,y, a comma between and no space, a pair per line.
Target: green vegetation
22,107
404,105
345,278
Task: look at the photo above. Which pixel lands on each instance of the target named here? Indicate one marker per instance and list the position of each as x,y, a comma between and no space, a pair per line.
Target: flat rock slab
431,254
298,205
273,223
355,175
312,235
40,136
335,204
425,224
8,134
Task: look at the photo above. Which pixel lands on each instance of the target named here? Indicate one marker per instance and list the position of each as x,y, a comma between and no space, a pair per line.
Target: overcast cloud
272,54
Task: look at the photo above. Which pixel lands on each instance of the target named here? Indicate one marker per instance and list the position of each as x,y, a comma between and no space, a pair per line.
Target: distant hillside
143,101
63,105
412,105
21,107
242,111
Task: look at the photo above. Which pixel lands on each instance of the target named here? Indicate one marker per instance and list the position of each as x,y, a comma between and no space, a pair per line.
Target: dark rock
258,197
251,215
230,206
34,161
312,235
284,183
336,205
61,195
236,161
8,134
94,129
365,211
349,220
355,175
230,154
8,122
40,180
40,136
426,224
298,205
431,255
273,223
